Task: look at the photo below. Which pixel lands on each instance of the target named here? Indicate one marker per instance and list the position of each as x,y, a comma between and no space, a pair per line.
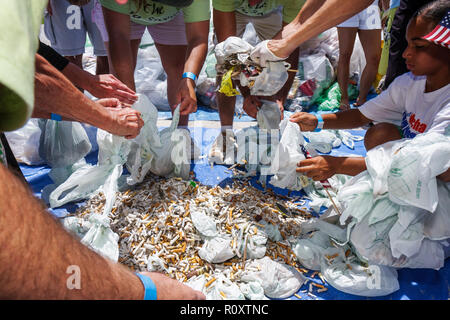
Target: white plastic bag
141,154
278,280
269,115
24,143
286,157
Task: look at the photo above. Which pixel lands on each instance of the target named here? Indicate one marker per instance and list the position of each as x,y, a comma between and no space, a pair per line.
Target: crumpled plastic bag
415,164
253,290
221,289
24,143
63,146
171,158
271,79
278,280
141,154
316,71
352,278
323,141
113,151
286,157
232,46
269,115
233,56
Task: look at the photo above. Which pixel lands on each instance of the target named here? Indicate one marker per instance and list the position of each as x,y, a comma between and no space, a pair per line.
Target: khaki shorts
266,27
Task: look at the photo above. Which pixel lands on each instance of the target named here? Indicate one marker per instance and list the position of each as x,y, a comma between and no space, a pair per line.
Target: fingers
110,102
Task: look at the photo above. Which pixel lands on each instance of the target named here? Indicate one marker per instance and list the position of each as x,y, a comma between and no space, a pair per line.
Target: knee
379,134
345,56
373,59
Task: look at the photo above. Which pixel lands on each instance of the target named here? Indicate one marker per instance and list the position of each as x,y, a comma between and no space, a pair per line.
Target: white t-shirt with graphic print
406,105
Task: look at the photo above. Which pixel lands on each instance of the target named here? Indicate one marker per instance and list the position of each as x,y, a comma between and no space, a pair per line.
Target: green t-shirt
20,22
290,7
154,12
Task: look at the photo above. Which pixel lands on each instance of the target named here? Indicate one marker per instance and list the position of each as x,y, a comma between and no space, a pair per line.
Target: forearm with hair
54,93
36,253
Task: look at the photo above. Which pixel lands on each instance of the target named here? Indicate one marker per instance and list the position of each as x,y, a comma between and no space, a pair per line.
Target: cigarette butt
318,285
210,282
297,296
223,294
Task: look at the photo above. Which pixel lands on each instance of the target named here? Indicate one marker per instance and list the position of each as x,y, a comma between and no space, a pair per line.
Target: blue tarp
415,284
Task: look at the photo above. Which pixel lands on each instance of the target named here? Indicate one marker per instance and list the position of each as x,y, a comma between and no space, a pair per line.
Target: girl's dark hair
434,11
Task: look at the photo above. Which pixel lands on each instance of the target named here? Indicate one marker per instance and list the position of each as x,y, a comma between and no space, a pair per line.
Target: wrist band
149,286
55,117
190,75
319,123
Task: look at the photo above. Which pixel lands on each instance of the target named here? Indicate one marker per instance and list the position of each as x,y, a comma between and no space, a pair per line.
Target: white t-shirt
406,104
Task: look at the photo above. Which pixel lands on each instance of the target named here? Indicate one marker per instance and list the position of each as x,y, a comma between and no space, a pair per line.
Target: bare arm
348,119
197,38
54,93
315,17
37,252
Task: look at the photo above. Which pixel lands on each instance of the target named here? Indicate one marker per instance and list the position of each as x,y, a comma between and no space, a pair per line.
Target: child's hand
306,121
318,168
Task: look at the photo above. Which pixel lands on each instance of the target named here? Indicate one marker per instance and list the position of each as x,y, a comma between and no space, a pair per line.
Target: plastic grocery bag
141,154
286,156
271,79
232,46
220,289
310,251
171,158
278,280
317,69
113,151
269,115
323,141
415,164
62,143
24,143
63,146
353,278
216,249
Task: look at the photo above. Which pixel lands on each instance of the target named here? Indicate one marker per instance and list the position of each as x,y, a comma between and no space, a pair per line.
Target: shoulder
407,80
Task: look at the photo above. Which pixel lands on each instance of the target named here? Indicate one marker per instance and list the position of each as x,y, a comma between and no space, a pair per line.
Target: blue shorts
66,29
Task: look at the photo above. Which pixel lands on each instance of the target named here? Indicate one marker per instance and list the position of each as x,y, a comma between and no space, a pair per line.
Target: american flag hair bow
441,34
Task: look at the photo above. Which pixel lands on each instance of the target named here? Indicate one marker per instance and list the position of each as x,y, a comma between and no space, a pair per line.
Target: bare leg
371,43
102,65
173,58
347,38
379,134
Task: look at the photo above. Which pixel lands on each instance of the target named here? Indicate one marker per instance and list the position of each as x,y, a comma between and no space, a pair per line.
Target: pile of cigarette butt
154,224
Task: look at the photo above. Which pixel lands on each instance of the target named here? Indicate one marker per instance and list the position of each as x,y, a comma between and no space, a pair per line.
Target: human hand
263,53
108,86
306,121
170,289
318,168
251,105
186,97
125,122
